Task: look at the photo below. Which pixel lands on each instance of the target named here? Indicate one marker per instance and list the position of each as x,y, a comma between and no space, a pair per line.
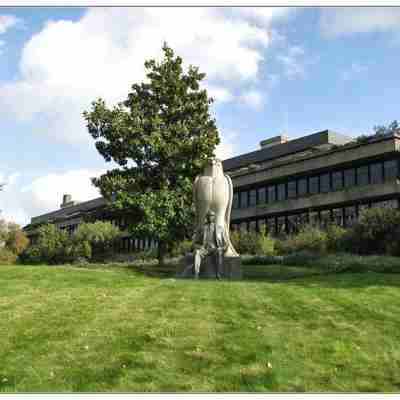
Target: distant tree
16,239
392,128
381,130
161,137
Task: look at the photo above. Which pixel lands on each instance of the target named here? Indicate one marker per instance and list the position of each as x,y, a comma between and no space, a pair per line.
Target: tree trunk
162,252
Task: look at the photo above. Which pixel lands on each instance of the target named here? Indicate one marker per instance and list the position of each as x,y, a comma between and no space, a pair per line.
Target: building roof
70,211
321,138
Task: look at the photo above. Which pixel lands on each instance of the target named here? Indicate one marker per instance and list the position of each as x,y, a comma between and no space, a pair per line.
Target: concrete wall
318,162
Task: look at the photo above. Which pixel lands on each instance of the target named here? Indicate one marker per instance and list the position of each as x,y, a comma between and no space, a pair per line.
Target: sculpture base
232,268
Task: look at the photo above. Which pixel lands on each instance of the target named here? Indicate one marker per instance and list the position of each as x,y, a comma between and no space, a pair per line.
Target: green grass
74,329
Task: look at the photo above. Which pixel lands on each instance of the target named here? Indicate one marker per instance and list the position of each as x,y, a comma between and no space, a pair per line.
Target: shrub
31,255
16,240
81,251
13,237
99,238
376,232
253,243
181,248
7,257
309,238
265,244
53,246
337,238
235,239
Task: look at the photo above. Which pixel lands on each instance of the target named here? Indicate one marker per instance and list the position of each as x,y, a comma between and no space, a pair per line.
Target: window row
373,173
128,245
343,216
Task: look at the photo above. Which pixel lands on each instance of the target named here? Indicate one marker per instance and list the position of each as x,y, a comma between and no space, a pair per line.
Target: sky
271,70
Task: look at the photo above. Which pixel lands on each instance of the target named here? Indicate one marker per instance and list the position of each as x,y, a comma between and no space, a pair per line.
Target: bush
181,248
95,240
31,255
253,243
310,238
53,246
337,238
7,257
376,232
13,237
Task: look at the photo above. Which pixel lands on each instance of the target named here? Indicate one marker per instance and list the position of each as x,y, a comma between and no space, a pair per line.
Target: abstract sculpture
214,255
213,191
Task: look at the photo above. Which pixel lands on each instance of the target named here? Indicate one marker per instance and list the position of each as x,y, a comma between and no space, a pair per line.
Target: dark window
325,183
337,180
262,226
349,177
337,215
391,170
281,192
291,189
261,196
281,225
314,185
314,218
325,216
252,226
253,198
302,187
362,175
244,199
271,194
235,200
376,171
292,223
271,224
350,215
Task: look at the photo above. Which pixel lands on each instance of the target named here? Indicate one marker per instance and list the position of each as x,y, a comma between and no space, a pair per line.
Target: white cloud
7,22
264,14
20,202
293,61
346,21
219,94
252,98
68,64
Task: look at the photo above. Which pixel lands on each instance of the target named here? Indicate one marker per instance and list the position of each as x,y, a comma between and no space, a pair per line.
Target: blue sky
270,70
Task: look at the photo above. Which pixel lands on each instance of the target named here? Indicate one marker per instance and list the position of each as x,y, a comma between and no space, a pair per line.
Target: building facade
316,179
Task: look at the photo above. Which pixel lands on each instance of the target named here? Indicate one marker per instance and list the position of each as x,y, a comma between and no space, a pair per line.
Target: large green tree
161,136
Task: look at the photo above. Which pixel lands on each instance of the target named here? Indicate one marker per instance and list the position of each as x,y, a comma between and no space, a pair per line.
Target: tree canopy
161,137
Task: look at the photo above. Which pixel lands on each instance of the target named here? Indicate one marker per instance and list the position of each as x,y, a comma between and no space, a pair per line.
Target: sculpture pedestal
232,267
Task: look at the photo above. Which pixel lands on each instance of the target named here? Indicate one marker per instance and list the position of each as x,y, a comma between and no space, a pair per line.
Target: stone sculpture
211,243
213,191
214,254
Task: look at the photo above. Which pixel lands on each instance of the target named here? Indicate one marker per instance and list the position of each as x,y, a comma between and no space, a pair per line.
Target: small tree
95,238
161,137
52,246
16,240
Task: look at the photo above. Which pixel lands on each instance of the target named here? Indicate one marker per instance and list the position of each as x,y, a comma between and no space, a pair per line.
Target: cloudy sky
270,70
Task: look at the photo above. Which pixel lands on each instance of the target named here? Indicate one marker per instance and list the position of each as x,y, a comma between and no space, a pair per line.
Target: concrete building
320,178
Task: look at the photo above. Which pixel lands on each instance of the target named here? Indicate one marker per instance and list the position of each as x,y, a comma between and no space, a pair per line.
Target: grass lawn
73,329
